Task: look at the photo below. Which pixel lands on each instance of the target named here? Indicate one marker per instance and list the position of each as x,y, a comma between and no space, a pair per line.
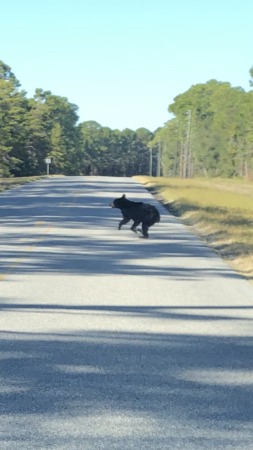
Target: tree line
210,133
32,129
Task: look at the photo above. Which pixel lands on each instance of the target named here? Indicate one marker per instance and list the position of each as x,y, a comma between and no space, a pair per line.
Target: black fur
139,212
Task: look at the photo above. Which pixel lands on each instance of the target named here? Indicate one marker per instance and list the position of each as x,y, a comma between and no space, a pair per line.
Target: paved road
109,341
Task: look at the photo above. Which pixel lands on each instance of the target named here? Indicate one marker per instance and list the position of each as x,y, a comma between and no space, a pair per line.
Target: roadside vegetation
9,183
218,210
209,133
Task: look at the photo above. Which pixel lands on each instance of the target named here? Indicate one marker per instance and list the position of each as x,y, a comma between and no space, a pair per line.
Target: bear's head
119,202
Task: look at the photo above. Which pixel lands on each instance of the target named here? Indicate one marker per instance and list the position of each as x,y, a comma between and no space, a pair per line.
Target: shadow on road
158,312
69,228
112,389
124,387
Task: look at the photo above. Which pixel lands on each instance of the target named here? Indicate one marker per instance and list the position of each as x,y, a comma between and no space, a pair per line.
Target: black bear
139,212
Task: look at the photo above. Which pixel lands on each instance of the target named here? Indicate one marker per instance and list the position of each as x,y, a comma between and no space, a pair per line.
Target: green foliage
211,133
114,152
46,126
12,105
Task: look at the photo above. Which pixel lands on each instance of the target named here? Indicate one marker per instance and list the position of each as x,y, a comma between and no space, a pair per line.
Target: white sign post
48,162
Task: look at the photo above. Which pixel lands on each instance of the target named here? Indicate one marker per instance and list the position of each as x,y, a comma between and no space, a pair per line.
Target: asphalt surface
109,341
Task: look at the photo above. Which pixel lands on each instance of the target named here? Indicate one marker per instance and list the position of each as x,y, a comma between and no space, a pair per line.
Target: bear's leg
122,222
145,230
135,224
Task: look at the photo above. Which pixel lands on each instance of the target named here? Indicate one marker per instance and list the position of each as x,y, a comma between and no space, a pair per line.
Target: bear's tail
158,217
154,216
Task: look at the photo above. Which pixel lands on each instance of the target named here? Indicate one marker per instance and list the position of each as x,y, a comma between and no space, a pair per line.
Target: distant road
109,341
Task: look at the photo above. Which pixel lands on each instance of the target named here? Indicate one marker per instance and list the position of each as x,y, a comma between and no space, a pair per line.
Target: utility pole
188,156
158,168
150,162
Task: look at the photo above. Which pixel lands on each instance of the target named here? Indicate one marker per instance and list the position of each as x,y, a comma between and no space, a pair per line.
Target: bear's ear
124,196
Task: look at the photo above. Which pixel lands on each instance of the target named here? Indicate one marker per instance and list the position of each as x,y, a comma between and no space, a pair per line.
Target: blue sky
122,62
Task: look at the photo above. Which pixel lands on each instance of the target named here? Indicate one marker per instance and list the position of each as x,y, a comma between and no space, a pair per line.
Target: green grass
219,210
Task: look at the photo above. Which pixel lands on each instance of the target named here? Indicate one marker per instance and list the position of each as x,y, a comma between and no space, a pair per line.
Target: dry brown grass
9,183
220,211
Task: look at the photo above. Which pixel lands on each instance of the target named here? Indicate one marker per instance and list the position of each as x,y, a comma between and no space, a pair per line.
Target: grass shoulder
10,183
218,210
